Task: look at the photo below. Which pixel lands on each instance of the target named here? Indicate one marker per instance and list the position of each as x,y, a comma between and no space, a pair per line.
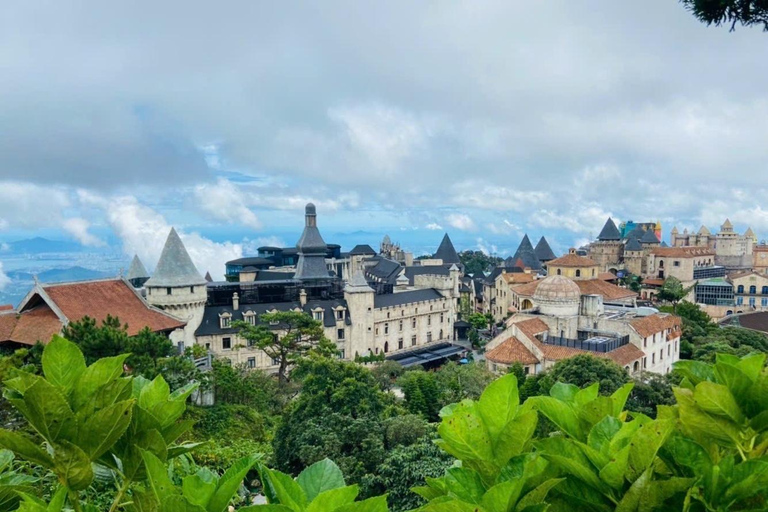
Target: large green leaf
620,397
645,445
587,394
752,365
282,489
614,472
750,477
377,504
583,472
332,499
538,494
717,399
602,433
155,393
199,488
103,429
48,412
72,466
229,483
559,413
25,448
63,363
175,503
702,426
502,497
99,374
157,477
499,403
176,430
634,496
514,437
695,371
319,477
465,484
464,434
735,379
265,508
171,410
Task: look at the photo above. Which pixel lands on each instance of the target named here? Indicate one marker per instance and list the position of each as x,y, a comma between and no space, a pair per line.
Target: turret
311,248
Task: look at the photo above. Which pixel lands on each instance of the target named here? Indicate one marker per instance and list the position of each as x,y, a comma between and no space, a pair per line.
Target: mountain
58,275
40,245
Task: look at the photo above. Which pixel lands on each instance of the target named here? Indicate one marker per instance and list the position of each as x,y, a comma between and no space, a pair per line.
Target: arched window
593,272
753,289
740,289
765,290
386,346
636,366
441,334
559,271
578,272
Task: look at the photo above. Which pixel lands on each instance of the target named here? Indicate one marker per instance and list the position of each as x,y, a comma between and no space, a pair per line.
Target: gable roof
609,231
682,252
633,244
446,251
175,267
385,270
37,324
362,249
511,351
543,251
609,291
651,324
526,254
571,260
137,269
649,237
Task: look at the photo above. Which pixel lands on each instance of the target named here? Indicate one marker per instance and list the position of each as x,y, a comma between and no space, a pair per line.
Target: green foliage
583,370
404,430
298,335
422,395
387,373
478,321
236,384
650,392
12,482
673,291
476,262
729,12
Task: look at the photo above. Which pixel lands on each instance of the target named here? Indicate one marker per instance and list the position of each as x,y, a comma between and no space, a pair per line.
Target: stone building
732,250
627,251
573,266
564,322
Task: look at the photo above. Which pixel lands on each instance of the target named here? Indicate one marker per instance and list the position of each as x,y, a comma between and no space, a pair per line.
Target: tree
295,336
459,381
422,394
730,12
96,341
583,370
650,392
477,262
478,321
673,291
386,373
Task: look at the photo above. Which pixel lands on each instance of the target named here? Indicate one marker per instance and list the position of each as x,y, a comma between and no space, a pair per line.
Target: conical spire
633,245
357,283
312,249
447,252
526,253
727,226
609,232
137,269
175,267
208,277
649,237
543,251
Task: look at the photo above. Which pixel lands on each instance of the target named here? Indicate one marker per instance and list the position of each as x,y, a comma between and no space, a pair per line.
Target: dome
310,209
558,296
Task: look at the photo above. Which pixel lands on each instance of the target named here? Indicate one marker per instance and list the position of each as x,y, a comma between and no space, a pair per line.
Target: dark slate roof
364,249
447,252
636,233
609,231
385,270
479,287
175,267
312,249
526,253
136,270
649,237
543,251
633,245
211,324
409,297
251,261
437,270
208,277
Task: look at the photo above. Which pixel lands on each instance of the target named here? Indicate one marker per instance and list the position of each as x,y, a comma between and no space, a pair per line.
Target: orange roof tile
518,277
6,307
651,324
97,299
621,356
653,281
607,290
511,351
607,276
528,289
571,260
36,324
531,327
683,252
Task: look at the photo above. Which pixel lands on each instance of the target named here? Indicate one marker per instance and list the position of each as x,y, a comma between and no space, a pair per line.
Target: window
413,340
740,289
765,290
275,361
429,319
387,314
653,358
317,315
402,312
645,342
168,291
559,272
251,362
752,301
739,300
526,370
401,326
661,355
226,343
669,350
413,323
429,337
399,343
191,289
764,301
386,328
654,338
593,272
386,347
441,334
226,321
431,306
207,346
342,354
578,272
753,289
250,317
442,317
340,315
645,361
377,331
675,263
340,334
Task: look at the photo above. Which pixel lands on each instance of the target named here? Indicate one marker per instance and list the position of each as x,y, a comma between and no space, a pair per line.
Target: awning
426,354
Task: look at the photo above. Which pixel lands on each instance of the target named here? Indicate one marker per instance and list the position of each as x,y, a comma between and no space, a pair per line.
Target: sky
486,119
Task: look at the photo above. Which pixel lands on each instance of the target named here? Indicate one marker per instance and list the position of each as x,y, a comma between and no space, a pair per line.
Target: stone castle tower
360,303
178,288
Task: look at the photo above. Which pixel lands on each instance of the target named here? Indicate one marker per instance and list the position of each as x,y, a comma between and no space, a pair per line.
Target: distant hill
59,275
40,245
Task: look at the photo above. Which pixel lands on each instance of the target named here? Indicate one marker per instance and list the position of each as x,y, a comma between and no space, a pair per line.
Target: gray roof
357,284
362,249
447,252
636,233
527,255
633,245
609,231
436,270
251,261
649,237
543,251
385,270
175,267
409,297
136,270
312,249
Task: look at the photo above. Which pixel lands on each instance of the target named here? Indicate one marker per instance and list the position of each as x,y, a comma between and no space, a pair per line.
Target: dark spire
447,252
636,234
527,255
633,245
311,248
175,267
543,251
649,237
609,231
208,277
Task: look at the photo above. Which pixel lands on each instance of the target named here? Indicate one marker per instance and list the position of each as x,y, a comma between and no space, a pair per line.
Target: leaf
465,484
703,426
620,397
48,412
99,374
514,437
104,428
538,494
502,497
428,493
332,499
750,477
283,489
155,393
176,430
58,499
157,477
559,413
464,434
581,471
176,451
377,504
645,445
695,371
72,466
199,488
230,482
265,508
586,395
564,392
613,472
63,363
602,433
319,477
632,498
735,380
174,503
660,491
717,399
499,403
169,411
25,448
752,365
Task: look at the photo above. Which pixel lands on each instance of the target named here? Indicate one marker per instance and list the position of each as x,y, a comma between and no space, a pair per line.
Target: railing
204,363
591,346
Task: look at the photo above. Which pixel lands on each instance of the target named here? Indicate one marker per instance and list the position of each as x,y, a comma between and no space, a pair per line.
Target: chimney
235,301
303,297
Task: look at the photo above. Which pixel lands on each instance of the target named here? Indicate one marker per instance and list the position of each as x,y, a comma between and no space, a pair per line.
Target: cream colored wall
584,273
185,303
427,317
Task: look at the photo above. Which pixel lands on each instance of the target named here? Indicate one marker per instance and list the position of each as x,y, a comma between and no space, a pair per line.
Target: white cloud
486,248
461,221
4,279
30,206
251,247
434,226
226,202
78,228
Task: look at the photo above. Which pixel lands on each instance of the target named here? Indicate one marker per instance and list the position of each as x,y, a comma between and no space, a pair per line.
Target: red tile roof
607,290
682,252
6,307
511,351
531,327
651,324
571,260
36,324
622,356
607,276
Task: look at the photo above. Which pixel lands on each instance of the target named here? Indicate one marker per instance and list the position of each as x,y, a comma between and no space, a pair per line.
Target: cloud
461,221
433,226
78,228
4,279
486,248
226,202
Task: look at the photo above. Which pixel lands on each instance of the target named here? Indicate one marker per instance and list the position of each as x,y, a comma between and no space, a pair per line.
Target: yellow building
573,266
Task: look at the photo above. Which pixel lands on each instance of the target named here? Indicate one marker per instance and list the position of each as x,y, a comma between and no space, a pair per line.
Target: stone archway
526,304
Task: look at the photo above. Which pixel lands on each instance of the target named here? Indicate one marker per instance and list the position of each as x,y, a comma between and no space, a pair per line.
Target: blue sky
485,119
